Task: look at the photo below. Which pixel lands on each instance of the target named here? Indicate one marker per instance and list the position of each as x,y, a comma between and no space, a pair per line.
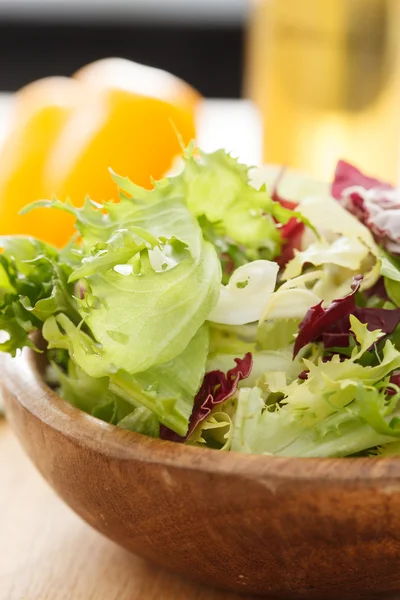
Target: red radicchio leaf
332,324
319,320
346,176
375,203
395,379
378,289
303,375
340,337
292,232
375,318
216,388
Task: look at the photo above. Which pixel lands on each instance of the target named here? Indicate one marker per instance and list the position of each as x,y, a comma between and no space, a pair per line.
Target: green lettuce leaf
389,449
217,186
237,218
237,340
231,254
93,396
90,394
167,390
217,190
390,266
155,316
390,271
141,420
148,279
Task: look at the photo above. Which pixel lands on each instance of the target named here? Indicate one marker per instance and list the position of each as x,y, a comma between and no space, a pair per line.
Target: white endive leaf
244,299
345,252
327,215
346,248
289,304
293,299
291,184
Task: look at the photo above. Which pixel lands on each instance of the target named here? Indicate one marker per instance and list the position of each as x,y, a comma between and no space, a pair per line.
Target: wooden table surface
48,553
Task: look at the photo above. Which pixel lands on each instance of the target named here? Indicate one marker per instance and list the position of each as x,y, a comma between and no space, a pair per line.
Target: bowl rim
24,373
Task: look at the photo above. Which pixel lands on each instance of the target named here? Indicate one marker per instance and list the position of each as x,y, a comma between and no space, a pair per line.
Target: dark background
207,55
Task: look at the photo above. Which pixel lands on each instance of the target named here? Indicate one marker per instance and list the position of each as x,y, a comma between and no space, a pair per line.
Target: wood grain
48,553
284,528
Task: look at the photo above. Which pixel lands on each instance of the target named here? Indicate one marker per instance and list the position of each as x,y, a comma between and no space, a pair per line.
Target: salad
252,310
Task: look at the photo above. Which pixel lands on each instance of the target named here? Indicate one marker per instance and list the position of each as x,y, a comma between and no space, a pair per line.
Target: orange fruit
116,114
40,112
126,122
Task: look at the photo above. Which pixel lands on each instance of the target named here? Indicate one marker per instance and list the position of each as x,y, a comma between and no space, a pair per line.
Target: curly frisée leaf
33,286
91,223
328,414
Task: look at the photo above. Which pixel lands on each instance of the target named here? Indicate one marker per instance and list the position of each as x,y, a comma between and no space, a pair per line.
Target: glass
325,75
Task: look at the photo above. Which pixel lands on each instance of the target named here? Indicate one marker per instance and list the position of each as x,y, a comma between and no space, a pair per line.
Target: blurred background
201,41
324,75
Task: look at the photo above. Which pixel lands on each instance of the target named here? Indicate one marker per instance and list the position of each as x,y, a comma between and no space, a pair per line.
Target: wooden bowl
284,528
